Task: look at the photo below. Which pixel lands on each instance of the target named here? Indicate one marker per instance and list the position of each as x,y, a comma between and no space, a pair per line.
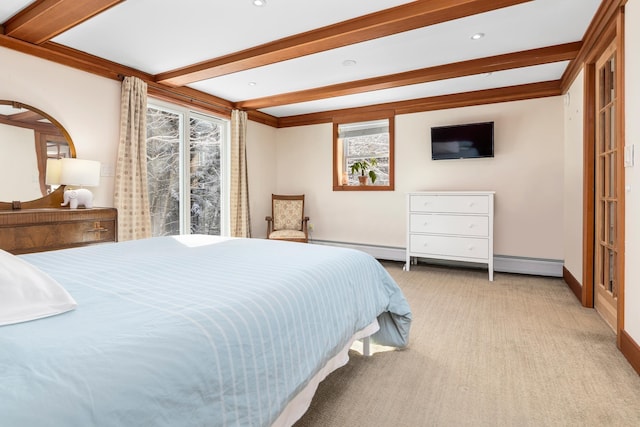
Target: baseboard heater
501,263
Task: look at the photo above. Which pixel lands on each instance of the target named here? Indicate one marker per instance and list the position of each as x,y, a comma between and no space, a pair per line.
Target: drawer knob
471,225
426,223
470,247
471,204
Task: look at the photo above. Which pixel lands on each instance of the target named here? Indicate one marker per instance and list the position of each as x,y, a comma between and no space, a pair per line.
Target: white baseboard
501,263
522,265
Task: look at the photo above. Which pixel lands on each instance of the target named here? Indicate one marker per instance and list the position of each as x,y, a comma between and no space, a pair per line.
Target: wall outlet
310,226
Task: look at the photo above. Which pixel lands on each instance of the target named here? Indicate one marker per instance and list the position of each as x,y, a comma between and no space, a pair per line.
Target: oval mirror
28,137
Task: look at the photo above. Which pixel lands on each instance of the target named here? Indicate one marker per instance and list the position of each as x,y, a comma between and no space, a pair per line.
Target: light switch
628,156
107,169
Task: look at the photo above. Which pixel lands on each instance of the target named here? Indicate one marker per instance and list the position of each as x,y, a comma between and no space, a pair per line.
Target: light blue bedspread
174,332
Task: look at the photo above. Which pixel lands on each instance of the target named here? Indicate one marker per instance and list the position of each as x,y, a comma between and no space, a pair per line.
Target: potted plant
361,167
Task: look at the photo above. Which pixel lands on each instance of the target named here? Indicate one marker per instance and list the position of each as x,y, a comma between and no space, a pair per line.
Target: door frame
613,31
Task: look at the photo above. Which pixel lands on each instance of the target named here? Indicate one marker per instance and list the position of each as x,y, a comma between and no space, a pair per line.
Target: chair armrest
269,225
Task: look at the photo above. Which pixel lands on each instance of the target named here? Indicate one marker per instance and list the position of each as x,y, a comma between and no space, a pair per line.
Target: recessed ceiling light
477,36
486,74
349,62
259,3
252,83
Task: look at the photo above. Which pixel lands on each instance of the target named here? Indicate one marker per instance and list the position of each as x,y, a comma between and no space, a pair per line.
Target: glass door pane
164,130
205,173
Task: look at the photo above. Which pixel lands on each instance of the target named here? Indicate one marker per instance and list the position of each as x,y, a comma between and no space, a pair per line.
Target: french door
608,190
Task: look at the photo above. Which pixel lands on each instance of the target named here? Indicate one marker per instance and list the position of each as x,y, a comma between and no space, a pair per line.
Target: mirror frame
55,198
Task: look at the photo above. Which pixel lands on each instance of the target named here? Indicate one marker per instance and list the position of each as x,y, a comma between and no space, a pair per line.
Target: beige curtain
131,193
240,218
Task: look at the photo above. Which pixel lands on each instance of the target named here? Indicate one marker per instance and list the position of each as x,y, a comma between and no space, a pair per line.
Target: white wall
573,177
632,174
526,173
261,161
87,106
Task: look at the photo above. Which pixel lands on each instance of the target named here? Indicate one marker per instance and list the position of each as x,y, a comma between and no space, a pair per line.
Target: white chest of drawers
451,225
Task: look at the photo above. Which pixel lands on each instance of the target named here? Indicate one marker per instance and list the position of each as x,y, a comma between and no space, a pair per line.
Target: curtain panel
131,196
239,198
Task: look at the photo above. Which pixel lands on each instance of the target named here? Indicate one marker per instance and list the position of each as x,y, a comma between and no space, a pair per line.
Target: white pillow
27,293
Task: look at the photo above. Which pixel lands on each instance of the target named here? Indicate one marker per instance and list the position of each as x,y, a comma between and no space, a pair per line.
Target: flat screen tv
466,141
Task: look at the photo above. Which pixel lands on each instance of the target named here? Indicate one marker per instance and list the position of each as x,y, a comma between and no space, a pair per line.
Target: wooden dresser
451,225
37,230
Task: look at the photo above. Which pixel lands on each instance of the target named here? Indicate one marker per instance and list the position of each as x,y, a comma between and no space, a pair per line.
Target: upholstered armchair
287,220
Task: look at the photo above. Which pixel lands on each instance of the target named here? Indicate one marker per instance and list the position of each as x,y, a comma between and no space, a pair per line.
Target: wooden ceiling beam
44,19
456,100
545,55
410,16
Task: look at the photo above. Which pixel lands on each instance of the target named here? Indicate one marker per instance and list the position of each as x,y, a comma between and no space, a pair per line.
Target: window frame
185,145
338,152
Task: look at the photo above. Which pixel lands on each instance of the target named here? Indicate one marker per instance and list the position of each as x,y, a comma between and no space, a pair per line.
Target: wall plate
628,156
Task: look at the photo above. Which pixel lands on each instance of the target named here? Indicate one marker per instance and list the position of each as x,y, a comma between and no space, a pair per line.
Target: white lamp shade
52,177
80,172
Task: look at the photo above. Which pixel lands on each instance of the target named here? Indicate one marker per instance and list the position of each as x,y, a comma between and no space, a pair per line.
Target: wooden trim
190,98
572,282
45,19
337,150
73,58
630,350
111,70
465,99
186,96
594,34
410,16
610,29
620,169
525,58
588,180
260,117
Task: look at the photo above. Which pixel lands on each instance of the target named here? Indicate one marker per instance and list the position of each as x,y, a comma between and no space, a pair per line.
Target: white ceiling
156,36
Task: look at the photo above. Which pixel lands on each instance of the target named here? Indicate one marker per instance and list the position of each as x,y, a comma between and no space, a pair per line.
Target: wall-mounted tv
466,141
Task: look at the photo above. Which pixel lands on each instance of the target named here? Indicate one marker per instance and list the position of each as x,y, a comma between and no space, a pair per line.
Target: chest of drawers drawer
449,224
460,247
449,204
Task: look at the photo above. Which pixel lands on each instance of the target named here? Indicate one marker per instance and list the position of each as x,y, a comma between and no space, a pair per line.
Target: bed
193,330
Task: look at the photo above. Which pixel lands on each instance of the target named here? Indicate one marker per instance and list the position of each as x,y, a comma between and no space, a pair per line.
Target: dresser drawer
50,229
57,236
473,204
464,247
465,225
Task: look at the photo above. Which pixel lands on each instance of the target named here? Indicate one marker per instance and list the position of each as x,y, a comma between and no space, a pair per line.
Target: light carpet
519,351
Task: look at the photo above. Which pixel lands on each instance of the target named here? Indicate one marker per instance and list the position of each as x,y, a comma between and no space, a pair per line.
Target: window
363,147
186,169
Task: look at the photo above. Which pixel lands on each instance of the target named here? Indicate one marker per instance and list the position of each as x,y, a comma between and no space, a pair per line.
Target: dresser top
453,193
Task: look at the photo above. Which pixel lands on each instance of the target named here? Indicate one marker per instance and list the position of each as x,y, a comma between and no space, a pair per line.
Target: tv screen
466,141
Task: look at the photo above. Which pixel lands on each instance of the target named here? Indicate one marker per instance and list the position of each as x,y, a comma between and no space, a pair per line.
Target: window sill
363,188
